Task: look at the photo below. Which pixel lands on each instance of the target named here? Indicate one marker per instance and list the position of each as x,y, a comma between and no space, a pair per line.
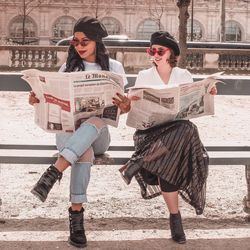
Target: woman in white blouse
169,159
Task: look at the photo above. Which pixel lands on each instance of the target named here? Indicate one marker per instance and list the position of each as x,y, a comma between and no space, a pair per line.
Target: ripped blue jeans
79,148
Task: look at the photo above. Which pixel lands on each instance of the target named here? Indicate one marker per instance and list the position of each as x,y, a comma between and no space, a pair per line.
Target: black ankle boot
46,182
77,236
176,228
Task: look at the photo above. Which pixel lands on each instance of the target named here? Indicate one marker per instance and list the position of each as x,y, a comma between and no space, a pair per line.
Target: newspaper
68,99
157,106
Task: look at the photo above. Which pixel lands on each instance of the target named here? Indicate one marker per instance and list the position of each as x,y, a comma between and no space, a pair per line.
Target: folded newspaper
157,106
68,99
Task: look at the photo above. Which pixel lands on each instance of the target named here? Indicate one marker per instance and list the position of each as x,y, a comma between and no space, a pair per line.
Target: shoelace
50,176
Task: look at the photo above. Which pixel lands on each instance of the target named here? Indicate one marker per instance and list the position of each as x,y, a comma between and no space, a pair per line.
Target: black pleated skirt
174,152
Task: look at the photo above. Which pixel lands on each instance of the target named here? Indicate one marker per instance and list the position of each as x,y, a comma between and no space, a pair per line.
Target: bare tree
99,8
183,17
95,7
27,6
156,10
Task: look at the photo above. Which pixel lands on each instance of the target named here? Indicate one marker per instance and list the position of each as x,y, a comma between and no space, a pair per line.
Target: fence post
247,197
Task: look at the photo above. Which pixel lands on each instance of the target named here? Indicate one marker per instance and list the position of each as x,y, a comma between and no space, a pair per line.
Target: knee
97,122
87,156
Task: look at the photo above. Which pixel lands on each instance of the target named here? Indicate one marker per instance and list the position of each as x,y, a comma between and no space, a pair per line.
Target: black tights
167,187
152,179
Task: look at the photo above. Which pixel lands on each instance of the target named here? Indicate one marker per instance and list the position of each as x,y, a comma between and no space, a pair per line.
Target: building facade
51,20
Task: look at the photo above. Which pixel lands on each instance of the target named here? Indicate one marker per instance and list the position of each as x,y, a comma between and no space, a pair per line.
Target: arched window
16,28
197,30
112,25
63,27
146,28
233,31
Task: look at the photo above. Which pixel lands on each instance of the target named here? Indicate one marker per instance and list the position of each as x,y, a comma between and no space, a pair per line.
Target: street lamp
222,20
192,20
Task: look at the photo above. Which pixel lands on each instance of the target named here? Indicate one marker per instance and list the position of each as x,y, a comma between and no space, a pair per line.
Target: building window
146,28
232,31
112,25
63,27
197,31
16,28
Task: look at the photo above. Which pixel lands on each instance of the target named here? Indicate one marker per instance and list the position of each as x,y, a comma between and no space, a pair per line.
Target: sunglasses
153,51
83,42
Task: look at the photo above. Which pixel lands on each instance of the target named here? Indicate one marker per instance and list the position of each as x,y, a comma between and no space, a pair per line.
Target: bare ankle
61,164
76,206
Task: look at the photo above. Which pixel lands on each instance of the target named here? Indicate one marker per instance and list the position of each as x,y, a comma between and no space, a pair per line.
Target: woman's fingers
213,91
33,99
127,98
134,98
123,98
123,102
120,95
116,101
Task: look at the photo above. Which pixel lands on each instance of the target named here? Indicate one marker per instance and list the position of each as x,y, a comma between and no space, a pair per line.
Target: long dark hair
75,62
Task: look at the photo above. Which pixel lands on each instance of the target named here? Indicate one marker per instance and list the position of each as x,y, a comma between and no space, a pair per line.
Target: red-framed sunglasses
83,42
153,51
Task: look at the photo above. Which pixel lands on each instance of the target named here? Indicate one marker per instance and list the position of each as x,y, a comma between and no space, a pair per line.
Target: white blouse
151,78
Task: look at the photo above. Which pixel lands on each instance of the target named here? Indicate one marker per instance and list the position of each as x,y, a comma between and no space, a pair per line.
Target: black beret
91,27
165,39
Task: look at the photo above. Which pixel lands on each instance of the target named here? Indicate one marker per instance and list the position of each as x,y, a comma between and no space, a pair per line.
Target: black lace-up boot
176,228
46,182
77,236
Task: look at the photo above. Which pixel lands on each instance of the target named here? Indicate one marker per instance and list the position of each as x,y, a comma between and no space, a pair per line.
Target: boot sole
76,244
39,196
179,242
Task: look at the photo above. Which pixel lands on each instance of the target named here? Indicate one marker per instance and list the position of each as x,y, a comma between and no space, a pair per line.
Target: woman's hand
123,102
32,98
213,91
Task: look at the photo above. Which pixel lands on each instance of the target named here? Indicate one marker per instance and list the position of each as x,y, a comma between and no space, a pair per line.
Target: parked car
107,40
124,41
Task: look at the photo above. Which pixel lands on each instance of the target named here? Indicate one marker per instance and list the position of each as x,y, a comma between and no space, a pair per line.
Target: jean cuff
69,155
78,198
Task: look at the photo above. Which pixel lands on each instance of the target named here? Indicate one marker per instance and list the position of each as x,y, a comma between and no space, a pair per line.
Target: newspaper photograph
68,99
157,106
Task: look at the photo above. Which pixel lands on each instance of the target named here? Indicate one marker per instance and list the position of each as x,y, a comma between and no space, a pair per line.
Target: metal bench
119,155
